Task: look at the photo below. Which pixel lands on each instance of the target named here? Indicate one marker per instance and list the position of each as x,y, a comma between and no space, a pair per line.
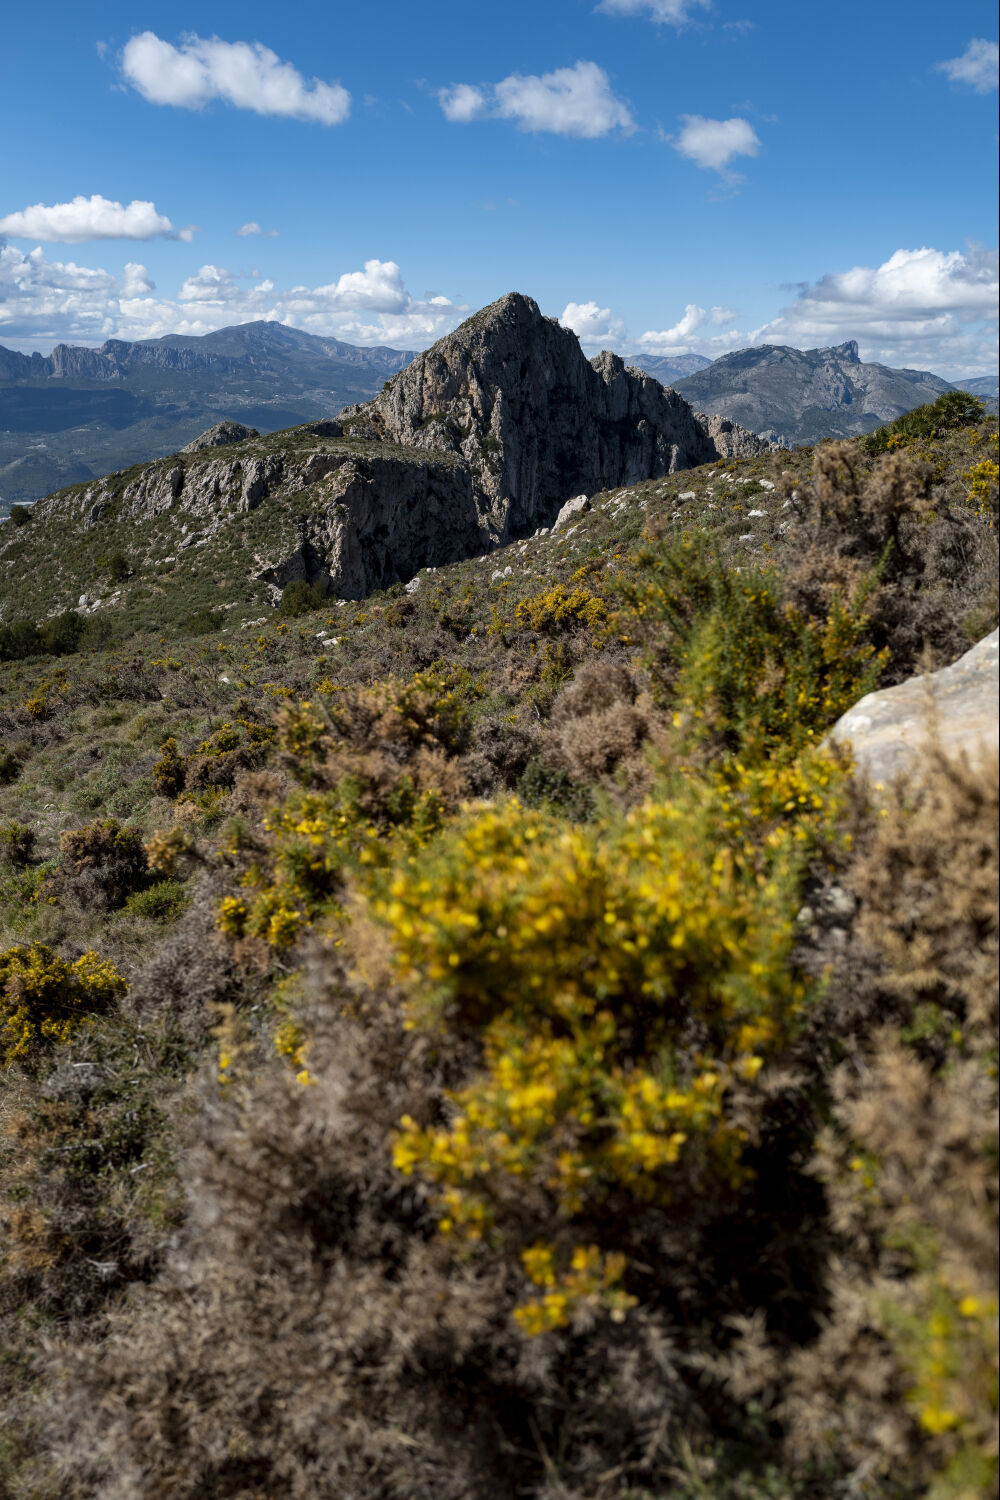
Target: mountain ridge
801,396
476,442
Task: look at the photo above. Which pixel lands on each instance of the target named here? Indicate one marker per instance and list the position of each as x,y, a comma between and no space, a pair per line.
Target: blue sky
667,175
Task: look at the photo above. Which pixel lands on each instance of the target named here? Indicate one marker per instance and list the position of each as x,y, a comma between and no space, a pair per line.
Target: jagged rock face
511,393
363,521
381,520
733,441
220,436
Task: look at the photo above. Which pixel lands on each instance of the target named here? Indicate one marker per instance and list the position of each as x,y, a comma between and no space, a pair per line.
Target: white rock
574,507
766,484
955,708
687,495
413,585
754,513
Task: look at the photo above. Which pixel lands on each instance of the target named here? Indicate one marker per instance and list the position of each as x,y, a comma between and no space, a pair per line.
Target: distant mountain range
668,368
799,396
77,412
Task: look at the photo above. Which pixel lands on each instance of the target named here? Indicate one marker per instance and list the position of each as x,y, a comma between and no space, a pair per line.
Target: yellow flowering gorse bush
44,999
586,960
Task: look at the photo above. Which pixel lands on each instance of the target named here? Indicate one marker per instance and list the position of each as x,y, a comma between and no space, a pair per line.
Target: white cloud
978,66
569,101
932,309
595,326
675,340
664,12
254,228
136,281
462,103
93,218
244,74
45,302
712,144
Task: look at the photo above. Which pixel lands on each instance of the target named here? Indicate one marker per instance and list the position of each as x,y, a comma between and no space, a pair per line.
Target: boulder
220,436
955,708
574,507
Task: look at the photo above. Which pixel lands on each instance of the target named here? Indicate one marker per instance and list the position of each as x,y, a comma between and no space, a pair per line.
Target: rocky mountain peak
512,394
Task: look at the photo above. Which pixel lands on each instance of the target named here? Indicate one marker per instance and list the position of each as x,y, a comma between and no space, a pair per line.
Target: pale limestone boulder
955,708
574,507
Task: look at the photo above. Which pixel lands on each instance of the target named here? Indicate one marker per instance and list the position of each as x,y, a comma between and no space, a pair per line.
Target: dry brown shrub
314,1336
100,865
906,1159
938,564
596,723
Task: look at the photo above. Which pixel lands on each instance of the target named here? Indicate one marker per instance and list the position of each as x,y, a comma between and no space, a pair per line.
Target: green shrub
115,565
554,790
203,621
20,515
743,669
162,902
17,843
169,771
61,635
19,639
10,767
950,410
300,598
56,637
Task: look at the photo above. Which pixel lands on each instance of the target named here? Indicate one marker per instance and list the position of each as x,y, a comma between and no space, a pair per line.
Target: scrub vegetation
480,1041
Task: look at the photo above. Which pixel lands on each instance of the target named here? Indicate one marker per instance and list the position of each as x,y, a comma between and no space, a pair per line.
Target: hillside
473,1041
80,412
479,440
800,396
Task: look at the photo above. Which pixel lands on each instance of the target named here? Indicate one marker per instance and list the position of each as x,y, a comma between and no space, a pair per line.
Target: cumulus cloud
978,67
244,74
463,103
712,144
93,218
44,302
569,101
933,309
664,12
675,340
254,228
596,327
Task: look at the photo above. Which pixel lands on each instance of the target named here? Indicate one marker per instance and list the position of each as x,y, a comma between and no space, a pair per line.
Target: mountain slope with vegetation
481,439
78,412
475,1041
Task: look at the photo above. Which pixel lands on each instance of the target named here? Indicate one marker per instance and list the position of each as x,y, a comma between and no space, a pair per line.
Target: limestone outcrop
221,436
482,439
955,709
731,440
512,395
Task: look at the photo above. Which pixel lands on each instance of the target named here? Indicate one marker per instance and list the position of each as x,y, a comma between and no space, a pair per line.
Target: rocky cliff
512,395
479,441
